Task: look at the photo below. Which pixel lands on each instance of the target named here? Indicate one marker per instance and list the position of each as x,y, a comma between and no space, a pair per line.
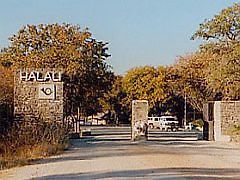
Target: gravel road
109,154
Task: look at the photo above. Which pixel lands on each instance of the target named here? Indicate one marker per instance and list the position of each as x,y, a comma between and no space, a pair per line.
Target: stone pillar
208,117
139,123
38,93
214,113
219,135
217,121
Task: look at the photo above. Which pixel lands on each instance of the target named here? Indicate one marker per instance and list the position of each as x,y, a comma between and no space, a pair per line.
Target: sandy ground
109,154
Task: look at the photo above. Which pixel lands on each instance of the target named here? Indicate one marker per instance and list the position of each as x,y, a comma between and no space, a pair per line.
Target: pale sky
139,32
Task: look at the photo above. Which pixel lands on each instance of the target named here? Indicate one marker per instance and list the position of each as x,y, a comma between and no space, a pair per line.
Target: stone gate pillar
38,93
220,117
139,123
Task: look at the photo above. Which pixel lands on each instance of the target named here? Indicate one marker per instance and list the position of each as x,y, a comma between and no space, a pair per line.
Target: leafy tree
223,27
114,102
65,46
158,86
224,74
188,77
6,98
146,83
6,85
222,35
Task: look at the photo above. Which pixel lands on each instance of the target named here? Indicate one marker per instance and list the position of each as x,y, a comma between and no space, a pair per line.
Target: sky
139,32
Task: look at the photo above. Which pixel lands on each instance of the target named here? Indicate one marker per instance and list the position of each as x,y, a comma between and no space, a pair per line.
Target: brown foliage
64,46
6,85
189,77
31,139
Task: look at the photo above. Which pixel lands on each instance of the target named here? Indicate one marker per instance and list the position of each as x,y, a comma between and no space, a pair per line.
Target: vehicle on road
164,123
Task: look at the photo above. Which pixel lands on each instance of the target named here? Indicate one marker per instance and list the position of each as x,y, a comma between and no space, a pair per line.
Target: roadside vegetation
211,73
29,140
86,76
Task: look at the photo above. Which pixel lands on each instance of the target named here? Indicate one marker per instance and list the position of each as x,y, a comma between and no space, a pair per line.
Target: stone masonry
139,119
230,115
224,115
27,98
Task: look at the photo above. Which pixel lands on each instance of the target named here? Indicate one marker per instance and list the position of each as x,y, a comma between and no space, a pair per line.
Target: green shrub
198,123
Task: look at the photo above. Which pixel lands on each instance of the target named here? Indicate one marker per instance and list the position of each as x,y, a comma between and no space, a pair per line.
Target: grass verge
28,154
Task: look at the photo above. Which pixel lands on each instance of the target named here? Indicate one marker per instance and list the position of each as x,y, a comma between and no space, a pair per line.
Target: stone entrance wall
139,120
230,115
39,96
221,116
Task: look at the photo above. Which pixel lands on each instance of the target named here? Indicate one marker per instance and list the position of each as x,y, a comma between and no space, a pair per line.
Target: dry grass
26,155
31,140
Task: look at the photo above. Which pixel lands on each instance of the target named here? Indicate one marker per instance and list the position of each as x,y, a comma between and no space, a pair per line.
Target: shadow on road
119,144
160,173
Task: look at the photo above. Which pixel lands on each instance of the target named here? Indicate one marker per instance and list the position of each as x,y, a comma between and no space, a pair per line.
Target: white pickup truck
166,123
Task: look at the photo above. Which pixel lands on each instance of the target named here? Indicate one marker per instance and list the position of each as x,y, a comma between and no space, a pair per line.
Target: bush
198,123
31,139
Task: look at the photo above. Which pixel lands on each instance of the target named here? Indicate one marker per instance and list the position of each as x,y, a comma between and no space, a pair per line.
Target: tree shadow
157,173
119,144
89,148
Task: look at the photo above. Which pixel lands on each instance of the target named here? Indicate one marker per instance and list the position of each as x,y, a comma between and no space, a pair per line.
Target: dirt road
109,154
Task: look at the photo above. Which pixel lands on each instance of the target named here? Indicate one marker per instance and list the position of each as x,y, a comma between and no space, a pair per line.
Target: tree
188,78
222,36
114,102
146,83
6,85
6,98
65,46
224,74
223,27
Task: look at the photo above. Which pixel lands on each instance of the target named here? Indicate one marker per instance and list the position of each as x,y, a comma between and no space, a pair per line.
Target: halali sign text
40,77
